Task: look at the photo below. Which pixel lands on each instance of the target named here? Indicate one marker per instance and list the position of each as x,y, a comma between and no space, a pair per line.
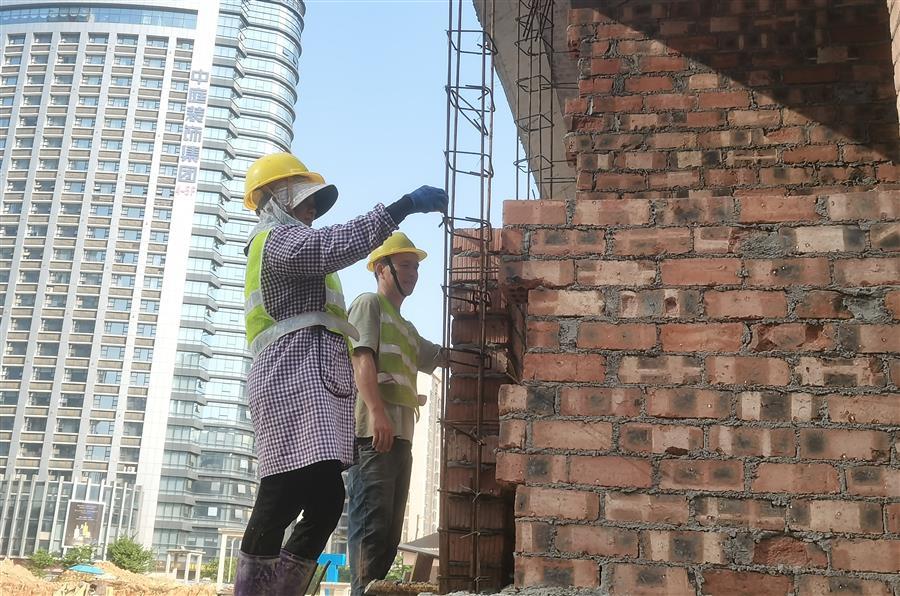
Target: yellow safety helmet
396,244
272,167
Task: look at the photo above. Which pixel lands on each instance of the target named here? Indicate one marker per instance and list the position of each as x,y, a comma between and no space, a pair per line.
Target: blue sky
371,118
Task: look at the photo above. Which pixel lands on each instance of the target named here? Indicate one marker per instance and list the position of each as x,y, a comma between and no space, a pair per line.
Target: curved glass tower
125,133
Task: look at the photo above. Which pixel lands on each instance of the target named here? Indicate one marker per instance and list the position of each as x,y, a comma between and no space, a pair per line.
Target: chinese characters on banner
192,135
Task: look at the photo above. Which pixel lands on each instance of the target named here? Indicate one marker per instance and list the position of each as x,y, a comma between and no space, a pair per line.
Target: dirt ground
16,580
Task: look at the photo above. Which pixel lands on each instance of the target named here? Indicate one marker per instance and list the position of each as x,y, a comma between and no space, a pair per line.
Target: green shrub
128,554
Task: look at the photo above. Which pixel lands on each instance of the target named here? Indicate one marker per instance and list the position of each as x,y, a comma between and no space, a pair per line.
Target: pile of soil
16,580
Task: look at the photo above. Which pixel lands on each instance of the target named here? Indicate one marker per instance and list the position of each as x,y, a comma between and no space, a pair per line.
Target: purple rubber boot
255,575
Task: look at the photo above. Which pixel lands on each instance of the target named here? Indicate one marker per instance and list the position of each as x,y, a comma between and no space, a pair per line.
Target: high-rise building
125,133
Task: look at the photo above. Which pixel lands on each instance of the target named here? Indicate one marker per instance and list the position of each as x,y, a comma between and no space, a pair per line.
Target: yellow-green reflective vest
398,354
263,329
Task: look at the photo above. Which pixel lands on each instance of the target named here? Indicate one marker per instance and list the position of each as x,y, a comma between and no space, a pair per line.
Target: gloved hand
427,199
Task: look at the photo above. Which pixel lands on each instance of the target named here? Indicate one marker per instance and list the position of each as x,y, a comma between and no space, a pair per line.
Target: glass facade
96,121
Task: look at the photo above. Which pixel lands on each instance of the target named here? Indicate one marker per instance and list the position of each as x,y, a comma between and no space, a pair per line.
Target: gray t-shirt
365,315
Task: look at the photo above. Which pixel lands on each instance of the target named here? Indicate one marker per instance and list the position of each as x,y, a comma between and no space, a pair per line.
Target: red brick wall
709,400
722,97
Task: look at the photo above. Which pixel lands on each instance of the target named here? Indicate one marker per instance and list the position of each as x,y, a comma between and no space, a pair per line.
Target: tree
40,561
77,555
398,571
128,554
211,569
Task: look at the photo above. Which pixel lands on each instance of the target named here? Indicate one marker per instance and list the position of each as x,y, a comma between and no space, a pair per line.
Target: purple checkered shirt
301,386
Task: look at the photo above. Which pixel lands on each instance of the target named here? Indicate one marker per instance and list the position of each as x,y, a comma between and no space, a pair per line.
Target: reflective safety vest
263,329
398,354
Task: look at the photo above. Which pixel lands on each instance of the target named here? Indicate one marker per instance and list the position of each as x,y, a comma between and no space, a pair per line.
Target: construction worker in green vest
386,358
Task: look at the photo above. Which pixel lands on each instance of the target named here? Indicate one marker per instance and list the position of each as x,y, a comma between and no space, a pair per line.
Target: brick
703,81
511,240
840,585
777,209
724,138
811,153
684,546
745,583
867,272
796,478
873,206
645,160
840,372
531,274
723,99
597,540
667,303
745,513
532,537
865,409
672,140
885,236
564,303
701,474
610,471
599,401
534,212
747,370
620,182
559,242
512,398
542,334
792,337
616,273
765,118
662,64
743,441
822,304
892,513
571,434
892,302
817,443
648,84
792,272
770,405
659,369
564,367
648,580
622,336
652,241
687,402
701,337
695,210
612,212
668,180
873,481
785,550
818,239
731,177
640,507
555,503
606,66
880,556
745,304
545,571
660,438
701,272
669,101
511,467
512,434
633,122
870,339
835,516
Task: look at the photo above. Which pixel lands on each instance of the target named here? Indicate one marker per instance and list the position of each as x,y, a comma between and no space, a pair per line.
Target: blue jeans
378,486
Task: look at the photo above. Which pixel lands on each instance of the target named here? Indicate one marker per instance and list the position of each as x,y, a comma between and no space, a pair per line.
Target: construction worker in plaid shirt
300,385
387,356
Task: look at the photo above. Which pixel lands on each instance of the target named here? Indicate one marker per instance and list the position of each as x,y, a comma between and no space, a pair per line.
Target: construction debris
382,587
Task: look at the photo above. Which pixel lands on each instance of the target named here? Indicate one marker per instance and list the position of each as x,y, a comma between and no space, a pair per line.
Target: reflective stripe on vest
398,349
263,329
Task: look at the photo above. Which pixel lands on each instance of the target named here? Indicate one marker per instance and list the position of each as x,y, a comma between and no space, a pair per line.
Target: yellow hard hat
268,169
397,244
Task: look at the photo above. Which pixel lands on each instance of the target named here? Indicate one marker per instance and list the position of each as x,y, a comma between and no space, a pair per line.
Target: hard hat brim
400,251
251,196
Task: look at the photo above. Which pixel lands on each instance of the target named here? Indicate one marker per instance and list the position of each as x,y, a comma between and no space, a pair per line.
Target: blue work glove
427,199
